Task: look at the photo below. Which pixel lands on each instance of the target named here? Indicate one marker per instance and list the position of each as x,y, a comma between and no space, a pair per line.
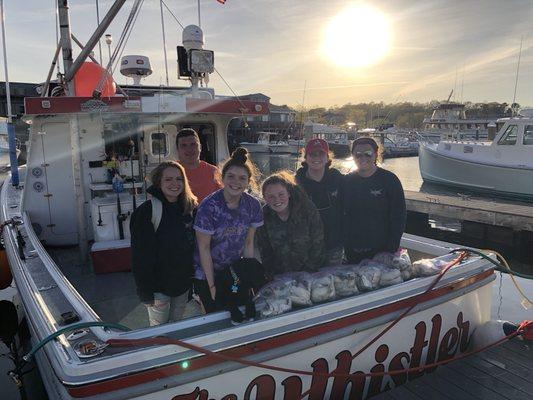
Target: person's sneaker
236,317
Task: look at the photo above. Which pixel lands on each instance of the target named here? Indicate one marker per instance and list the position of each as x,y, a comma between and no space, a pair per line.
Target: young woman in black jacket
162,244
322,184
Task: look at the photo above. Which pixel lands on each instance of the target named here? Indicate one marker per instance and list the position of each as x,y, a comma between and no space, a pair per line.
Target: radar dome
135,67
193,37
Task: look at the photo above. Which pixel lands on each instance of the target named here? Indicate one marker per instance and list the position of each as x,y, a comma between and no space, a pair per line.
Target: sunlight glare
358,36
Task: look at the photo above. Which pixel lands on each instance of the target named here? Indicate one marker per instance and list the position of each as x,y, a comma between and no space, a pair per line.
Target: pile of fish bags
302,289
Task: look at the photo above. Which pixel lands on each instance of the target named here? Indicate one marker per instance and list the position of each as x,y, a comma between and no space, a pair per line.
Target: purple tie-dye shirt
228,228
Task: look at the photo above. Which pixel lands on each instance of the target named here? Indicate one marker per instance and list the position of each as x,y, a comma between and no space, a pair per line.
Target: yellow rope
526,302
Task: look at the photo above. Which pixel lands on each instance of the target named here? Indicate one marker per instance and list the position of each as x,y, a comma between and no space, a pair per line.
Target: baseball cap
317,145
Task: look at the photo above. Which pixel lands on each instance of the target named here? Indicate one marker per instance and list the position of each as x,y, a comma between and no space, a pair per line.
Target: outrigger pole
10,128
71,68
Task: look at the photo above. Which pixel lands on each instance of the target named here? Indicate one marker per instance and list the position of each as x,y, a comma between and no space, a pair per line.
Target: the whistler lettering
439,348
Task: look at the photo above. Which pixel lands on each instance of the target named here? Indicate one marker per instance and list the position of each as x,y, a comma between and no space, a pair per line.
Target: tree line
404,114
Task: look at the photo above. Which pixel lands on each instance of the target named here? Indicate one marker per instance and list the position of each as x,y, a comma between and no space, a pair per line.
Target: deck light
185,364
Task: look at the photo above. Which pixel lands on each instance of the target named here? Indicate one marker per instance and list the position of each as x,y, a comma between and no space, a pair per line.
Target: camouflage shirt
293,245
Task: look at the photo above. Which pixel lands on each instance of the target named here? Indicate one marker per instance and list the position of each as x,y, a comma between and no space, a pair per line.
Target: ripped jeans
167,309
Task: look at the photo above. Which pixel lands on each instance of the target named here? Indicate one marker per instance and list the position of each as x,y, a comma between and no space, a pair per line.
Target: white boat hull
320,339
280,148
437,333
255,147
504,180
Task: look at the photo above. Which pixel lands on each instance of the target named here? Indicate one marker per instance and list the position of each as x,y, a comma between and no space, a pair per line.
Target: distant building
281,120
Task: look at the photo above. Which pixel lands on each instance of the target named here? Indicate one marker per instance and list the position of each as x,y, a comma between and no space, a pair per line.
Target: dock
501,373
518,217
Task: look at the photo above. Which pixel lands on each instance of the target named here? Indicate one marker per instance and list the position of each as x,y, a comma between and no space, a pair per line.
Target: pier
506,227
500,373
515,216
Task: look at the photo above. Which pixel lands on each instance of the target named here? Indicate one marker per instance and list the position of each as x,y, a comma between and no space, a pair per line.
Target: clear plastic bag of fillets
300,290
367,275
433,266
371,275
274,298
344,280
322,287
399,260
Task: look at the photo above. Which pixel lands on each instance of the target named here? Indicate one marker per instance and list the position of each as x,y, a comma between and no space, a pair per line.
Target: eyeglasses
361,154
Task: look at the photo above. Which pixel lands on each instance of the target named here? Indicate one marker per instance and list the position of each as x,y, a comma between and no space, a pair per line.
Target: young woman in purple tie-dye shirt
225,226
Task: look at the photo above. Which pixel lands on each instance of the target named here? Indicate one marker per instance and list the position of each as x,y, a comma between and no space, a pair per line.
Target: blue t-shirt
228,228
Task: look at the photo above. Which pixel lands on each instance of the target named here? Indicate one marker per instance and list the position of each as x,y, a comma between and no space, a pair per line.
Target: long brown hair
239,158
186,198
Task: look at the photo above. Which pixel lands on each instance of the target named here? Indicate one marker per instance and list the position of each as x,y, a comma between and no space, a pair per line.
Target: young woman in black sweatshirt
322,184
373,205
162,245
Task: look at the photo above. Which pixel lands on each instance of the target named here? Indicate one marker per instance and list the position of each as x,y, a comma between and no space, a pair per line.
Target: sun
359,36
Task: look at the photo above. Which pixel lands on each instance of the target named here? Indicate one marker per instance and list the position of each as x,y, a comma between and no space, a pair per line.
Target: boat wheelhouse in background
448,121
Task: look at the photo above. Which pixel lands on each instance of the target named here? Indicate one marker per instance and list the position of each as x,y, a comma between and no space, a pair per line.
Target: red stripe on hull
69,105
270,343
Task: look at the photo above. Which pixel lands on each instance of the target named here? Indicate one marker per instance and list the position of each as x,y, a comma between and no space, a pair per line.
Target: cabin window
159,143
509,136
528,135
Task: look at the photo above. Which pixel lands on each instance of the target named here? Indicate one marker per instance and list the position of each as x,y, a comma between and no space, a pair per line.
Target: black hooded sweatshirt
161,261
325,195
373,214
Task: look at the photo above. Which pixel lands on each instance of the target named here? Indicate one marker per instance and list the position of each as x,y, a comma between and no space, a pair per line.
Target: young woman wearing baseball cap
322,184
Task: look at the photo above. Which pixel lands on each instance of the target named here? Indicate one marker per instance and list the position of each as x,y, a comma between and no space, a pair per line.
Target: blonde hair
187,199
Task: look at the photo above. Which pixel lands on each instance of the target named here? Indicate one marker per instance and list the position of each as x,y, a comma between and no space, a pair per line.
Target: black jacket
325,195
162,260
373,213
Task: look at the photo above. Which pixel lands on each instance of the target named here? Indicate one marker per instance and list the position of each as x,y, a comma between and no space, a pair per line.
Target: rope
124,36
216,70
207,352
523,328
508,269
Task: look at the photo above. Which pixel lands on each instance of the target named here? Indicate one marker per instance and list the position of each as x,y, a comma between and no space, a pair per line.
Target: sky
276,47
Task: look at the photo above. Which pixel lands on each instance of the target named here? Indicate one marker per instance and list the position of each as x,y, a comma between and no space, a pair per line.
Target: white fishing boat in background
448,121
265,145
77,311
503,166
261,146
337,138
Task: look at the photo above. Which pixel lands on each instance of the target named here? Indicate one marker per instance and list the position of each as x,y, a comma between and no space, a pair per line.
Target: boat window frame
528,141
511,128
167,150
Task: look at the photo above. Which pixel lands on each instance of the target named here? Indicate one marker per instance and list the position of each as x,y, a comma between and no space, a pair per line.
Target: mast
10,128
75,145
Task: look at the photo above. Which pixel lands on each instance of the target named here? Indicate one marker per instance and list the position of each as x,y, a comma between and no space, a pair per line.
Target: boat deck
502,373
112,296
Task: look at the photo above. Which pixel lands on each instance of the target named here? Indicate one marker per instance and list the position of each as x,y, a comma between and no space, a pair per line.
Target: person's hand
213,291
148,303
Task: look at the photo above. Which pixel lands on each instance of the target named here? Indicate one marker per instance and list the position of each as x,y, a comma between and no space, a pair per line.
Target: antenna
164,40
455,83
517,69
449,97
199,19
462,83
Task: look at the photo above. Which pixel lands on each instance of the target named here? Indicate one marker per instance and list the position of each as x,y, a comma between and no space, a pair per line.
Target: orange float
88,77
